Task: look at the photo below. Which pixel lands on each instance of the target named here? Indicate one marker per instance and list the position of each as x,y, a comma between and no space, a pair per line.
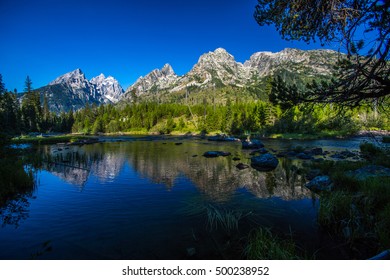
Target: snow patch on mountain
109,88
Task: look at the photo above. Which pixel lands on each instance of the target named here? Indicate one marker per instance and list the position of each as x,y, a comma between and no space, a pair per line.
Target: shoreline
73,137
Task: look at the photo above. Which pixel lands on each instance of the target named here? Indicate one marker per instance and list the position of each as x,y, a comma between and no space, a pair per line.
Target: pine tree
31,108
45,110
28,85
2,85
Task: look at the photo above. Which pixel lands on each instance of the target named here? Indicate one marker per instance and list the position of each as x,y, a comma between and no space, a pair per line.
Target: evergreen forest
223,110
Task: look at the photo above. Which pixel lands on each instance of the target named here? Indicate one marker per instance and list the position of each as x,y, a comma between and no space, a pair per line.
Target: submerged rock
316,151
242,166
213,154
266,162
291,154
259,151
320,183
344,155
304,156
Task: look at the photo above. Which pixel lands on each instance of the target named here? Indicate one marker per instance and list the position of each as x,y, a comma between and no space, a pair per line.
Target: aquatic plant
330,167
264,245
223,218
216,216
334,210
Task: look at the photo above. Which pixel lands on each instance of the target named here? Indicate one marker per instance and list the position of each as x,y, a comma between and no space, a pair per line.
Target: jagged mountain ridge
108,87
73,90
214,69
164,78
219,68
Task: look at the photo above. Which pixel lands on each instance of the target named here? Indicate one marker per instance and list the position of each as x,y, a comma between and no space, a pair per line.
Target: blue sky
125,39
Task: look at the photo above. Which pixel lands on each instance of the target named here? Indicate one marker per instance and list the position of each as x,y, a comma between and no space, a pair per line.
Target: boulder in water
265,162
223,138
213,154
304,156
320,183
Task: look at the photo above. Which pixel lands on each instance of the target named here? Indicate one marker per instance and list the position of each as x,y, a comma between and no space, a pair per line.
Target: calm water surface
159,200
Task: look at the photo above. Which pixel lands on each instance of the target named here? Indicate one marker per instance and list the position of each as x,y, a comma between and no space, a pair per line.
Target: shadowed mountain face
166,163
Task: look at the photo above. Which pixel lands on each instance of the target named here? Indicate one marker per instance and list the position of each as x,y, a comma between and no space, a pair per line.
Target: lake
159,198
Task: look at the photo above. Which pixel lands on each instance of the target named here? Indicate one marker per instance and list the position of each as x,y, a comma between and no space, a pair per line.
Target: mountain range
213,69
72,91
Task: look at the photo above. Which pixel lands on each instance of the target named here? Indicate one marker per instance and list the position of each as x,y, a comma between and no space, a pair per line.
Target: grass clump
378,189
342,181
374,154
370,150
358,208
264,245
334,210
383,228
226,219
337,168
358,211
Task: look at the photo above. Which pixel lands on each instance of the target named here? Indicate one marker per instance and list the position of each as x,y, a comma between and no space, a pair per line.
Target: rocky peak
72,91
109,88
220,55
219,68
167,70
215,68
294,60
73,77
159,79
98,79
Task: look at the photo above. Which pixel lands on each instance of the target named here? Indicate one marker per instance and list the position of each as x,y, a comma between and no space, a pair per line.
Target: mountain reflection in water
163,163
156,200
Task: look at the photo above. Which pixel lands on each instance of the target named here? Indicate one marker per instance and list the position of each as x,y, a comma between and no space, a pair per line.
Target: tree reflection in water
218,202
18,182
